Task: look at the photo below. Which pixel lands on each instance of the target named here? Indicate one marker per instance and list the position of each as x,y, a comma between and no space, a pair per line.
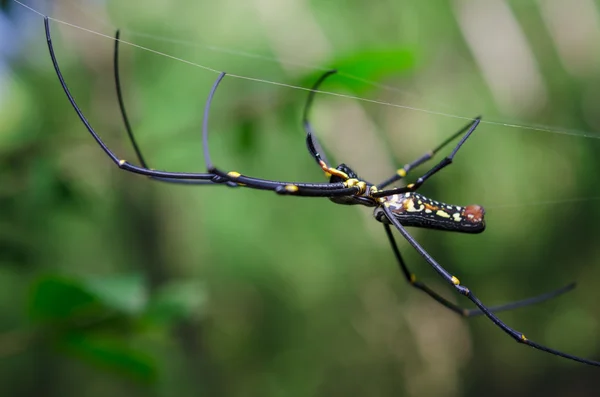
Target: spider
398,207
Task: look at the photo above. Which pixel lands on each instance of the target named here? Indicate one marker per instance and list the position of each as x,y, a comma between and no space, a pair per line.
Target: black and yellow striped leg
402,172
412,280
452,280
446,161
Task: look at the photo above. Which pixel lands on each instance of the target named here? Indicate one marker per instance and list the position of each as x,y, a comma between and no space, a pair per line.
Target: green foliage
99,319
113,284
111,352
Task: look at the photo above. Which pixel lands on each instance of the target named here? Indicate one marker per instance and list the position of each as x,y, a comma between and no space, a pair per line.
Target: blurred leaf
373,64
59,298
358,69
125,293
112,353
177,300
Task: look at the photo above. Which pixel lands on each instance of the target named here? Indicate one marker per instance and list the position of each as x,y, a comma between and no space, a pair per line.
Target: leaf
111,353
125,293
358,71
59,298
375,64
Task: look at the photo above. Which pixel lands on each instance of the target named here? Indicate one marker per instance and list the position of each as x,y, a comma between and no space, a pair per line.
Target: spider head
346,170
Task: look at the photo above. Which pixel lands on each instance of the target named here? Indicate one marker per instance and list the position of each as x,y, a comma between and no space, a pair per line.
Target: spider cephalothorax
399,207
347,176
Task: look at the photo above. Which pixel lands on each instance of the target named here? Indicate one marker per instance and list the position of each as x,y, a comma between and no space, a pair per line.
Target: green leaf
358,71
59,298
375,64
125,293
112,353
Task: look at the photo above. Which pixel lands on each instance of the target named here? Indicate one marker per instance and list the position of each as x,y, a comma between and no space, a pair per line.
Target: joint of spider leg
465,312
402,172
354,182
416,184
332,171
523,338
463,290
413,278
351,182
381,200
218,179
362,185
234,174
122,163
291,188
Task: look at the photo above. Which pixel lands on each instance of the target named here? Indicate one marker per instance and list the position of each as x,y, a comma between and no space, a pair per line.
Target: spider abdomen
413,209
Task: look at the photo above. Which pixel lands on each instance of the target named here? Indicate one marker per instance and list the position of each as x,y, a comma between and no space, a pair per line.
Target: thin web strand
500,206
547,202
548,129
260,57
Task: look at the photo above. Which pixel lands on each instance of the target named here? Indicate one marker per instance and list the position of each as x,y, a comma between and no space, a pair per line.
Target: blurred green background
112,284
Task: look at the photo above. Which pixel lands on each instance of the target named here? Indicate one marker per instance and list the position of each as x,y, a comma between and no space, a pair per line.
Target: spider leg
412,280
300,189
129,129
347,188
402,172
446,161
452,280
314,147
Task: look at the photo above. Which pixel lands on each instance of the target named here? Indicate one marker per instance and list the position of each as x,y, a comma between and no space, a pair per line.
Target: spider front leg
414,282
446,161
312,143
347,187
402,172
454,282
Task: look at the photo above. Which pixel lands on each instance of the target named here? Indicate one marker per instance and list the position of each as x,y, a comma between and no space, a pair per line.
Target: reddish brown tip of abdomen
474,213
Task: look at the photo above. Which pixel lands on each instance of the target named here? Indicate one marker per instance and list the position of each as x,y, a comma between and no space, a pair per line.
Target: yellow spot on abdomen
443,214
